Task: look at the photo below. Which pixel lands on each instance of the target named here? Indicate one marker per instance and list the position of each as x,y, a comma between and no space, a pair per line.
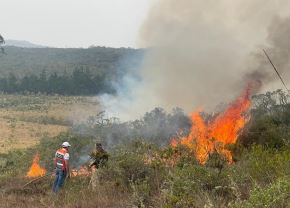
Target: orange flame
174,143
35,169
205,138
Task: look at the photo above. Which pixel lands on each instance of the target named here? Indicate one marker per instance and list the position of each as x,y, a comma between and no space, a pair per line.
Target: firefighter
99,159
61,162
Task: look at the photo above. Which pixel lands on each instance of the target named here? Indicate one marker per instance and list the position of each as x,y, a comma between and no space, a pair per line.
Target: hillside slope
23,61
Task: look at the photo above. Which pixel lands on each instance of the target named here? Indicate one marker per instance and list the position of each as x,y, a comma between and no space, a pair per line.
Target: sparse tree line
156,126
82,81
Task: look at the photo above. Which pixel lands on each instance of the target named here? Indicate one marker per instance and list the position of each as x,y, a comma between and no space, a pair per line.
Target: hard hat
65,144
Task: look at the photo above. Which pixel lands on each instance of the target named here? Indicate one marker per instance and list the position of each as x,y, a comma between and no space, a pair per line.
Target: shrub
262,165
190,184
275,194
130,169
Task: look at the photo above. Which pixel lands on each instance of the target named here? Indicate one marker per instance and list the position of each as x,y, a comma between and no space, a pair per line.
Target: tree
2,41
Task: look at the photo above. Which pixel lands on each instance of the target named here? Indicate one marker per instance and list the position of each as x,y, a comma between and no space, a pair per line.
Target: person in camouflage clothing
99,158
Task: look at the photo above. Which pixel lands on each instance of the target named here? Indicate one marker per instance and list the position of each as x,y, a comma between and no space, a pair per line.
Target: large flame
35,169
205,138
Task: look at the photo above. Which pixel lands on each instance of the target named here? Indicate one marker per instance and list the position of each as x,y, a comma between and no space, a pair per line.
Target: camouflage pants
94,182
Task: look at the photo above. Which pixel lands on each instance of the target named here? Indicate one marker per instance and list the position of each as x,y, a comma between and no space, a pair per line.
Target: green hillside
69,71
23,61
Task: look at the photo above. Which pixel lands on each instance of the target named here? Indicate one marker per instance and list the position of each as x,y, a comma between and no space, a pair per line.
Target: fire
174,142
205,138
35,169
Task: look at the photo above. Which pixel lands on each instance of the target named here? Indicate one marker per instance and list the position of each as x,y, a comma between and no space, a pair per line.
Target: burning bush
207,138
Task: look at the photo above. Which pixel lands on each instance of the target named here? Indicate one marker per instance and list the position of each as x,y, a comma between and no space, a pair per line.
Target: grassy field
24,120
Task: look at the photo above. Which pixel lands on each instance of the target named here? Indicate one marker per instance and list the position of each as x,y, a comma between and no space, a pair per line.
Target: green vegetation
81,82
23,61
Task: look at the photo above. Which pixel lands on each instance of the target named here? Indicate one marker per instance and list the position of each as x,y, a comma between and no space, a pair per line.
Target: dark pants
60,176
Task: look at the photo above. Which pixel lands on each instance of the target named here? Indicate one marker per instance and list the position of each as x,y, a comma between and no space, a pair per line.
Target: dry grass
25,134
38,196
24,120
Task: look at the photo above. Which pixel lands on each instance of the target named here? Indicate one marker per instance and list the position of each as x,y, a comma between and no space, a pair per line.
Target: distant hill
22,44
69,71
22,61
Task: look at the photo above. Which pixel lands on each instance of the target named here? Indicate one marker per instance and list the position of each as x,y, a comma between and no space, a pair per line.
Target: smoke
203,52
279,50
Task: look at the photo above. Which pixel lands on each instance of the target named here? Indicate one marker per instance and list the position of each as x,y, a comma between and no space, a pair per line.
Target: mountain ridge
23,44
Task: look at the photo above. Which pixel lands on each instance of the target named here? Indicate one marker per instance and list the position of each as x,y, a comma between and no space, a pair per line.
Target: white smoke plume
200,53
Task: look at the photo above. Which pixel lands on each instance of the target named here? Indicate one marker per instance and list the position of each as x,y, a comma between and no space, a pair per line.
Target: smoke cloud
203,52
279,50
